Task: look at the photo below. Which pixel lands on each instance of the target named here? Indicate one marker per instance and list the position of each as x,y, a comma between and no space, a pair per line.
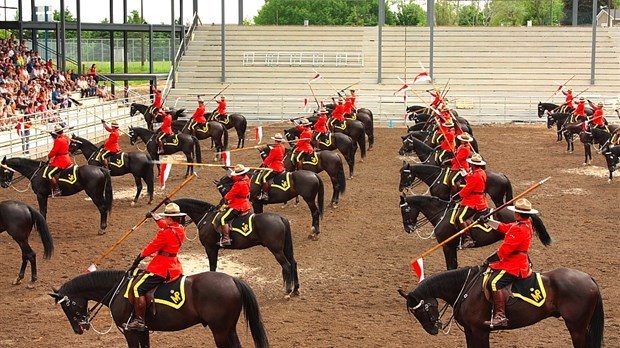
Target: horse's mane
93,280
194,204
432,199
434,284
25,161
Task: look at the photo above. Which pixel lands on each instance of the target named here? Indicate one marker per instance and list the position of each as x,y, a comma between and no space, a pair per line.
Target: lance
559,88
313,95
349,86
118,242
582,92
205,165
7,167
431,250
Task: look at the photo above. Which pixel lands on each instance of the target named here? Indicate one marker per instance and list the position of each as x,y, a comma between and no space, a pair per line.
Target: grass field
134,67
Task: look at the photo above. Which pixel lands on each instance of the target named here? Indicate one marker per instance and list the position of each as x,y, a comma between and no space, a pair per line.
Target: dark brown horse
93,180
596,136
18,219
270,230
365,116
425,153
215,130
355,129
236,121
213,299
570,294
148,116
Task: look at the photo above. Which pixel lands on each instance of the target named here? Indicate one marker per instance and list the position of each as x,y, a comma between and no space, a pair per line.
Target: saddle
171,140
116,160
530,289
324,139
69,175
170,293
280,181
243,224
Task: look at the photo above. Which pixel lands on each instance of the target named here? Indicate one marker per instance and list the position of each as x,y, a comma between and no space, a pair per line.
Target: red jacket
199,115
437,99
169,239
448,140
352,100
348,106
473,193
320,126
59,155
460,158
166,125
305,138
569,99
158,99
513,251
275,160
238,197
338,112
221,107
112,143
598,118
581,109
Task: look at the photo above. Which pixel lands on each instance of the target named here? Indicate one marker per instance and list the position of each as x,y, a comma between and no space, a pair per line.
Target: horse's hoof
295,293
585,163
315,237
283,205
334,205
287,297
296,205
101,232
311,235
30,285
133,203
609,181
17,281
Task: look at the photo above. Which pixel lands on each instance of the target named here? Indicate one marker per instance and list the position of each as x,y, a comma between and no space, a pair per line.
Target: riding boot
225,241
160,145
54,185
105,162
499,310
467,241
139,309
264,194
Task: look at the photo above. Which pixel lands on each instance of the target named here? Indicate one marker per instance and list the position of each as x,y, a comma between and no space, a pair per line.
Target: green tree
508,13
445,12
410,13
471,15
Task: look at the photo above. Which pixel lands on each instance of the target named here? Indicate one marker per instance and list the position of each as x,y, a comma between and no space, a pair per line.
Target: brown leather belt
166,254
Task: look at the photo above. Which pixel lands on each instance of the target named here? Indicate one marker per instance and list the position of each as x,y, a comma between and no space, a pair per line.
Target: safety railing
303,59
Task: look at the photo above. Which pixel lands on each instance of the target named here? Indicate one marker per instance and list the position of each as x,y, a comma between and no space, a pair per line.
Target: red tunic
305,138
437,99
338,112
448,140
348,106
169,239
473,193
238,197
569,99
581,109
112,143
320,126
158,99
221,107
460,158
59,155
598,118
166,125
275,160
513,251
352,100
199,115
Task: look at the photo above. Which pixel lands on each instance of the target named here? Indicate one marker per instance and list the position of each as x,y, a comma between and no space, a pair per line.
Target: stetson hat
582,99
601,104
222,97
172,209
304,122
114,124
278,137
58,129
523,206
240,169
476,160
448,124
465,137
322,111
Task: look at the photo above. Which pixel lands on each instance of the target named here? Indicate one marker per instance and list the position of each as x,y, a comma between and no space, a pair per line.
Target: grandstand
495,74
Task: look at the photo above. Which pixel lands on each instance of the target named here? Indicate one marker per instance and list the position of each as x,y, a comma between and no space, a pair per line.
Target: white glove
463,172
494,224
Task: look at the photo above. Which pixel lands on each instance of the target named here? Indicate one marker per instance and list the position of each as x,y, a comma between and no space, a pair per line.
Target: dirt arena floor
350,276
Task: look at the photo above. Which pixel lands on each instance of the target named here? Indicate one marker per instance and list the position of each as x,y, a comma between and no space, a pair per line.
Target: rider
446,129
460,166
473,197
111,146
304,144
511,261
598,118
165,129
579,115
198,118
157,103
320,126
165,266
569,97
58,159
438,100
349,108
237,202
220,112
275,162
338,115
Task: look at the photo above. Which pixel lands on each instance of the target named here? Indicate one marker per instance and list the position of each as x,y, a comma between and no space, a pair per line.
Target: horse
571,294
414,110
355,129
463,124
137,164
18,219
214,300
365,116
424,152
215,130
148,116
304,183
438,212
327,161
426,137
95,181
611,157
188,144
595,136
269,230
497,186
237,121
339,141
560,120
546,108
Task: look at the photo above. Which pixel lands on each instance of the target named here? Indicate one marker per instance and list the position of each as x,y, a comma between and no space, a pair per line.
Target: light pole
142,33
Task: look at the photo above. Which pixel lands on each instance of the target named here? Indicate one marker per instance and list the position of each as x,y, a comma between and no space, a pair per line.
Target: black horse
18,219
269,230
498,186
214,300
302,183
148,116
327,161
215,130
596,136
365,116
414,111
236,121
425,153
612,156
570,294
339,141
427,138
423,119
439,213
188,144
355,129
137,164
95,181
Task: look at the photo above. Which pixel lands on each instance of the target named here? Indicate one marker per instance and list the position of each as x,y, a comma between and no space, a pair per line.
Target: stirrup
136,324
497,322
263,196
224,242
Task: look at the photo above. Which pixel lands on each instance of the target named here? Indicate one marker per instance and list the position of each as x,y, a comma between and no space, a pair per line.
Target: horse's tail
541,230
594,336
149,177
342,180
197,149
288,243
44,232
252,314
509,193
225,134
321,195
243,127
361,142
107,191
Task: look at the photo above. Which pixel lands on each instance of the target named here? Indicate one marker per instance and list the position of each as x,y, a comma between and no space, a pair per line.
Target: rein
22,177
465,292
94,310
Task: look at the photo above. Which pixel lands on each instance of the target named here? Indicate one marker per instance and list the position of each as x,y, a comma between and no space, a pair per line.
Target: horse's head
76,310
412,116
407,146
426,310
409,214
406,176
224,184
6,174
541,109
133,109
550,120
133,137
264,151
75,145
289,134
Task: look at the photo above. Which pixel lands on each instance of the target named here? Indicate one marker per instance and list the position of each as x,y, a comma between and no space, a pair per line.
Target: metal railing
303,59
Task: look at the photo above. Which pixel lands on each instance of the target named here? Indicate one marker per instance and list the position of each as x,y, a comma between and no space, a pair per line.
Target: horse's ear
402,293
55,296
402,198
4,159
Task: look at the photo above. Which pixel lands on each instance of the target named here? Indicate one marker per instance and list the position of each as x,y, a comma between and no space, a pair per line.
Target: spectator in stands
92,86
93,73
82,84
23,129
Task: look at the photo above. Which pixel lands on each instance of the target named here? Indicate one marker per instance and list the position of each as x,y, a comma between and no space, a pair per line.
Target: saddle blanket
116,160
482,226
69,175
171,294
311,159
171,140
530,289
243,224
325,139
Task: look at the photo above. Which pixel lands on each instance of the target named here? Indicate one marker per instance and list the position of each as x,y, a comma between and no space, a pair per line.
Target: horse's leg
190,159
449,253
314,211
578,331
132,338
286,270
225,337
477,338
42,200
212,252
138,181
144,339
336,187
26,252
96,195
